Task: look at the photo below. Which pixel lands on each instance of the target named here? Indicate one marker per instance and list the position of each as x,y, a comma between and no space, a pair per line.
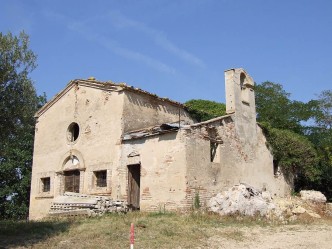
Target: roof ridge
131,88
103,84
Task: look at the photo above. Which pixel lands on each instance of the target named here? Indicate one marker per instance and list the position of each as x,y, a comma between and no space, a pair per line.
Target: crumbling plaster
103,113
239,163
163,170
120,126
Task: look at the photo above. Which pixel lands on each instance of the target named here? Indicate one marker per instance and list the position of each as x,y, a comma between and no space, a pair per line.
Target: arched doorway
71,176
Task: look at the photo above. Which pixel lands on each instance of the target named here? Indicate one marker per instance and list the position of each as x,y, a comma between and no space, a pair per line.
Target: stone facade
114,140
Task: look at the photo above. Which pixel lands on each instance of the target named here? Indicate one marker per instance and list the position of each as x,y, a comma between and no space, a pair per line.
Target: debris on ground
245,200
242,199
74,204
313,196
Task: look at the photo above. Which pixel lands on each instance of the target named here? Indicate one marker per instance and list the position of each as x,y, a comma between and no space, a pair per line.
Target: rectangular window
101,177
214,152
275,168
46,184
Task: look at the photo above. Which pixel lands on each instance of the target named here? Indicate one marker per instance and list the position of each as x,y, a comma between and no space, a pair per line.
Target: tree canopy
294,153
18,103
274,106
300,134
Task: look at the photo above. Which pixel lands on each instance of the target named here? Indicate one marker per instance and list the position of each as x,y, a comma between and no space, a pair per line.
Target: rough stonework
120,142
313,196
242,200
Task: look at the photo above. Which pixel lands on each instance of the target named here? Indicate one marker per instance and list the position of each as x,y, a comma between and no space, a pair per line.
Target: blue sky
177,48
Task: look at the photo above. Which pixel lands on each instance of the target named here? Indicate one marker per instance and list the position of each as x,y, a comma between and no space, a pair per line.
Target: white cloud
159,38
114,47
82,28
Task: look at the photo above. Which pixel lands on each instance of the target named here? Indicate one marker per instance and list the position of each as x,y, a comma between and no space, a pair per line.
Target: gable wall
98,114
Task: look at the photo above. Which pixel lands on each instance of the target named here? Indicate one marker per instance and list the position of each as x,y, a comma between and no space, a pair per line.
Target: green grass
152,230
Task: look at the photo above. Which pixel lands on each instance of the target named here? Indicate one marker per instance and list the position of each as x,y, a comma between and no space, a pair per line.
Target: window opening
244,90
101,177
74,160
242,79
73,132
275,168
46,184
213,151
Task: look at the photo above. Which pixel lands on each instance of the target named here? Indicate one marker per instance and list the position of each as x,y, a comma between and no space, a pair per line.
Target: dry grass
152,230
234,234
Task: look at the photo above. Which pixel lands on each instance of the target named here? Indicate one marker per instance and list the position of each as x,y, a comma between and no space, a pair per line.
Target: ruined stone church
115,140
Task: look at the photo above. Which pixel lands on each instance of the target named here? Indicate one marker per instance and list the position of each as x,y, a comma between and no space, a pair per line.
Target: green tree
323,115
293,152
273,105
18,103
203,110
282,121
321,136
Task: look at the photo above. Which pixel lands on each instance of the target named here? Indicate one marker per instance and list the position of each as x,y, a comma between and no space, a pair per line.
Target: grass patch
152,230
234,235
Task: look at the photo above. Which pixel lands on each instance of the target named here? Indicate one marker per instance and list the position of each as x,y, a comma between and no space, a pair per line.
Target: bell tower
240,100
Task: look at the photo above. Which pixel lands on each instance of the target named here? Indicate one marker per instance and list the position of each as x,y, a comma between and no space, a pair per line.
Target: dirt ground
291,236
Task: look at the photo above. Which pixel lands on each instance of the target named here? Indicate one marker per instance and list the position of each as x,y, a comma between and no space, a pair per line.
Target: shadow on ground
26,234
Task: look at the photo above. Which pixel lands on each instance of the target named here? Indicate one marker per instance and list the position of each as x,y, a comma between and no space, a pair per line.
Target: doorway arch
71,174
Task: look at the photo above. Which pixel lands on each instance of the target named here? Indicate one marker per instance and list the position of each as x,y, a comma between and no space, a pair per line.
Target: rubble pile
291,208
313,196
242,199
74,204
245,200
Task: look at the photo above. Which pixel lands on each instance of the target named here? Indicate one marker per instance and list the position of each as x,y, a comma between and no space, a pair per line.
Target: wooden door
134,179
72,181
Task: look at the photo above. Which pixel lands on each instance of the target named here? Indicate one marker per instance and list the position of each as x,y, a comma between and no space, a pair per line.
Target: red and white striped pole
132,236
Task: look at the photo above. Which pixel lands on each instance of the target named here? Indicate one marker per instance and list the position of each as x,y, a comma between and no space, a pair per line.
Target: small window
101,177
242,80
73,132
46,184
214,152
276,168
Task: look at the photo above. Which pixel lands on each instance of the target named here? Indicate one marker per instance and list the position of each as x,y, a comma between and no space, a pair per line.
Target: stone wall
237,162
